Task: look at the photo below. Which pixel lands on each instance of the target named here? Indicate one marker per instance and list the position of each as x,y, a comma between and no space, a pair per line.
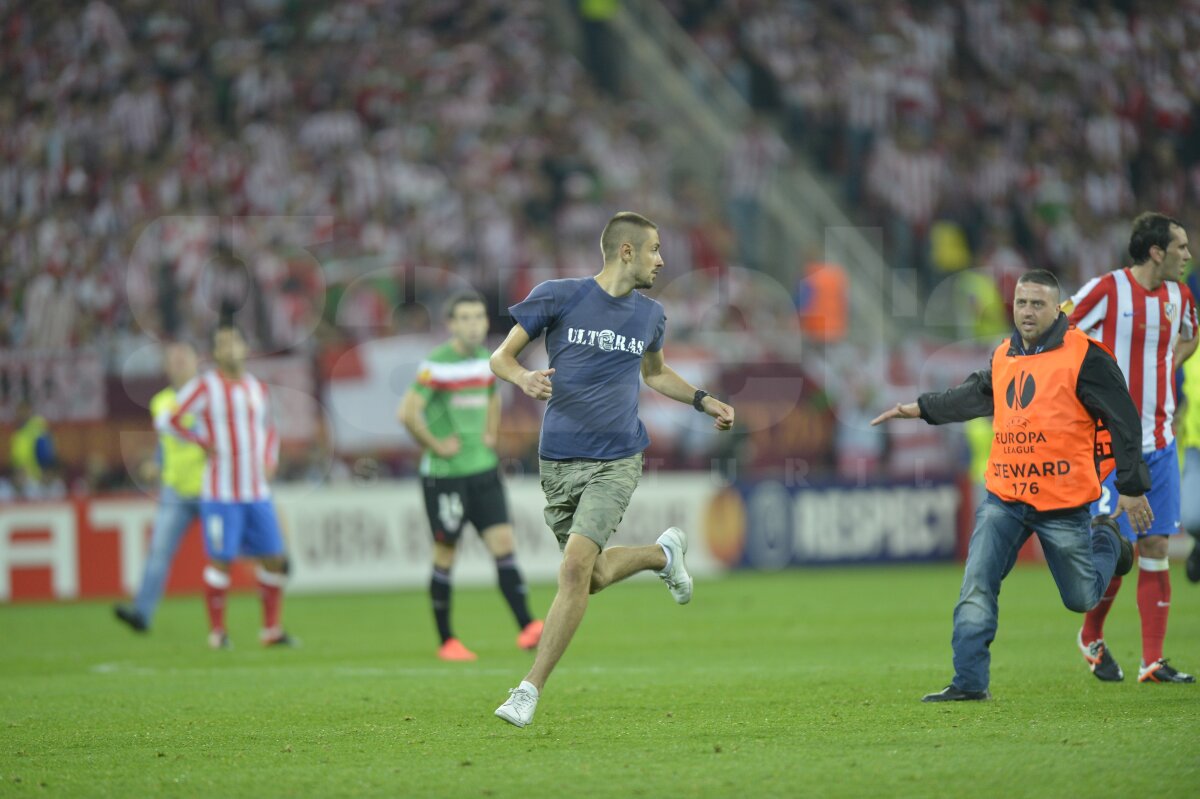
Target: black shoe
952,694
1161,671
1193,563
1100,660
283,639
1124,548
131,617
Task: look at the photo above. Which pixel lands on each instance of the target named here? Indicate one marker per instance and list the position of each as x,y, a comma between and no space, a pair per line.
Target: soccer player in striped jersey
1147,317
453,412
232,422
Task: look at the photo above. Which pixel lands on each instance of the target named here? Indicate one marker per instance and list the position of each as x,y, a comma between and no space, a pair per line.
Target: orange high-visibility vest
1043,439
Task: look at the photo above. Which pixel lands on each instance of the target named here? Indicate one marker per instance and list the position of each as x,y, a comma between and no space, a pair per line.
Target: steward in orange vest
1049,390
1046,402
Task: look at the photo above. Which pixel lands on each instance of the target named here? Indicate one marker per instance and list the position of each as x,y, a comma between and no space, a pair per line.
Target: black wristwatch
698,400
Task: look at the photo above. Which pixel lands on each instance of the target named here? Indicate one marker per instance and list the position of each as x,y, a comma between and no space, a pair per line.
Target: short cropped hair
225,322
1150,229
461,298
620,229
1041,277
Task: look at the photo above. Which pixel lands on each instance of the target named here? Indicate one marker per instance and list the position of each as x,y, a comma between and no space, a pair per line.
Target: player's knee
1079,602
1153,546
277,564
575,573
499,540
443,554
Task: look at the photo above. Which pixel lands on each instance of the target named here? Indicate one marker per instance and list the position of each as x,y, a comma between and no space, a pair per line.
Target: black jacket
1101,388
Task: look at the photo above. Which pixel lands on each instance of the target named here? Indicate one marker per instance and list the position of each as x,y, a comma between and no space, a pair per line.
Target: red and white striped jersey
1141,328
233,422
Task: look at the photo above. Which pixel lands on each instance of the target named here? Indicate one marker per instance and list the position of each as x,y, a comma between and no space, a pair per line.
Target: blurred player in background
1045,388
1139,313
181,473
233,424
453,412
1189,442
600,333
31,450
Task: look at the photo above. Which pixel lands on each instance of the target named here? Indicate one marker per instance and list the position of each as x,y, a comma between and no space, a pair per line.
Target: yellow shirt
23,448
1188,430
182,461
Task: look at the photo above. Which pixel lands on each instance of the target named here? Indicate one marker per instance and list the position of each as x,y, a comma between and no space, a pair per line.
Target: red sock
1093,620
270,590
1154,602
216,584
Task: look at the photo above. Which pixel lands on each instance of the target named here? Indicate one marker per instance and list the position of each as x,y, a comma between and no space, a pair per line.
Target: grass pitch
803,683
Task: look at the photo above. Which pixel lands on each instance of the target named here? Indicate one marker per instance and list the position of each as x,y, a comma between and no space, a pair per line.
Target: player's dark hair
461,298
224,320
1150,229
621,229
1041,277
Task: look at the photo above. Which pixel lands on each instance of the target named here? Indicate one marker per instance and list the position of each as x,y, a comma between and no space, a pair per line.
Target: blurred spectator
31,451
823,301
756,156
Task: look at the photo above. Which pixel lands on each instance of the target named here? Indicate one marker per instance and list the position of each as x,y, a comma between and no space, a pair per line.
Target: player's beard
646,282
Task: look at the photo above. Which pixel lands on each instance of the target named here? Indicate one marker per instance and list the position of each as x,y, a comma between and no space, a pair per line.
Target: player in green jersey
453,412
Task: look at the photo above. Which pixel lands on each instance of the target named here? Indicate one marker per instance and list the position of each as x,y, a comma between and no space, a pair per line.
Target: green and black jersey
457,389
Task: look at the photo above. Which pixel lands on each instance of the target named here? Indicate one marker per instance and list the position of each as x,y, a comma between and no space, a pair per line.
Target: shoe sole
1150,678
939,698
509,719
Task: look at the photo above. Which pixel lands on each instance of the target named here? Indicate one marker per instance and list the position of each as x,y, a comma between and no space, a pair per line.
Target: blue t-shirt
595,342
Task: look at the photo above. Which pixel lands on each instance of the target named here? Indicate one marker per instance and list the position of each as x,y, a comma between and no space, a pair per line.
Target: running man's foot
952,694
532,633
518,709
454,650
130,616
675,575
1099,659
1161,671
219,639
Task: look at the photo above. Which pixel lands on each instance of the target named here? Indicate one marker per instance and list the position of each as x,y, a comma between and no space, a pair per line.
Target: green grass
800,683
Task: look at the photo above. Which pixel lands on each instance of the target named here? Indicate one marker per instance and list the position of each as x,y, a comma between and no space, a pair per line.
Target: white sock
526,685
666,552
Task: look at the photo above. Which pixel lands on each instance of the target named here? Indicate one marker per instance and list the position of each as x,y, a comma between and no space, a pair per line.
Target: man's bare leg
617,563
566,612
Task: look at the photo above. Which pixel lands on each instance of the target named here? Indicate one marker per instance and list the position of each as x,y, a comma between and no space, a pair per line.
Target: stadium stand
979,132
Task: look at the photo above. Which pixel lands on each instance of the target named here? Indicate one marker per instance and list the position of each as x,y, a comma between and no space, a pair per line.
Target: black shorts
451,502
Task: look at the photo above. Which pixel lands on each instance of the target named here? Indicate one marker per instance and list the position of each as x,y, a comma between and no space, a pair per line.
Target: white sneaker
518,708
678,581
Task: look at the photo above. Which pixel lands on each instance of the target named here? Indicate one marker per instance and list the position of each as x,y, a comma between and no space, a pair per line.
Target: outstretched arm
903,410
504,363
666,381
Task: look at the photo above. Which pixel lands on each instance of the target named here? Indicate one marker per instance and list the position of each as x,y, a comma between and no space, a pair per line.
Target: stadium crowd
163,160
997,133
331,169
335,169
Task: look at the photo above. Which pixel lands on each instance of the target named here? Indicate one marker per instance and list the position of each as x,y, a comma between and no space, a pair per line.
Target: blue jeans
1081,564
171,522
